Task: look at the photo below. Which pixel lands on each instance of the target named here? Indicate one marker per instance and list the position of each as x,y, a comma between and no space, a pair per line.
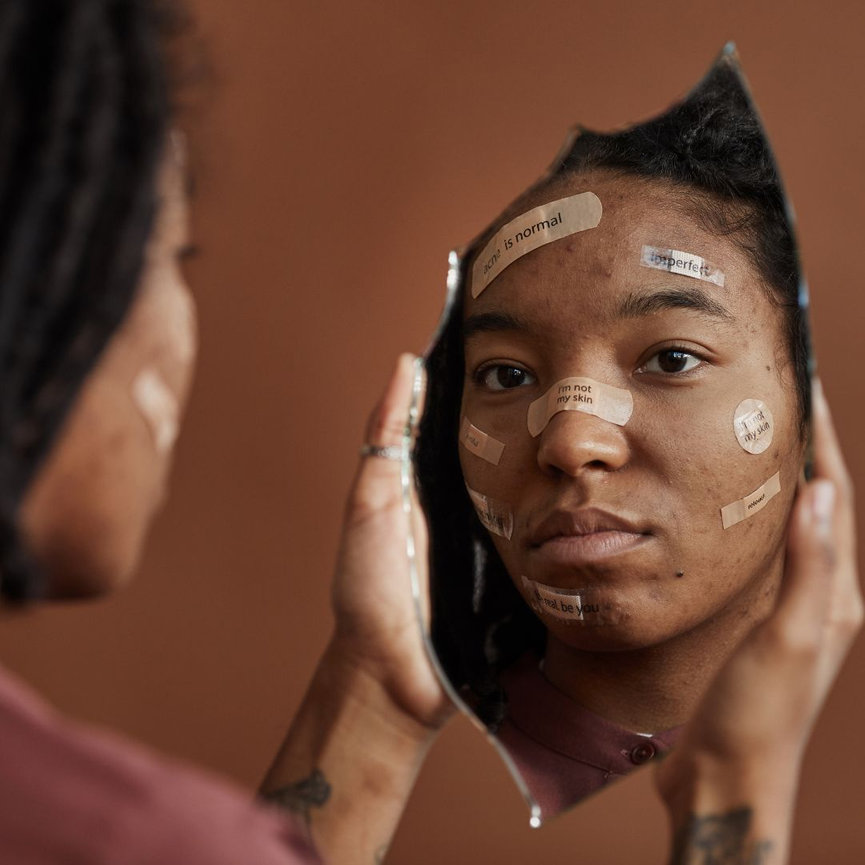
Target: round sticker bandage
753,425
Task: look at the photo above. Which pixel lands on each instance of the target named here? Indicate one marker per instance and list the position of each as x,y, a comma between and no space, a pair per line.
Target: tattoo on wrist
302,796
720,839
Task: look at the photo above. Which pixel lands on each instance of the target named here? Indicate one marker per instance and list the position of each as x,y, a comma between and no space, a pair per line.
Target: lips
585,535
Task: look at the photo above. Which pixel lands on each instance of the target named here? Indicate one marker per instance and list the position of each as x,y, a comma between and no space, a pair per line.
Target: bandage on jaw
479,443
682,263
495,516
613,404
574,606
533,229
752,503
159,407
754,425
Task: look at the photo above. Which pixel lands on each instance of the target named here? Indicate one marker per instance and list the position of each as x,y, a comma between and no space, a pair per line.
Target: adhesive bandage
494,516
577,606
752,503
159,407
479,443
753,425
613,404
683,263
534,229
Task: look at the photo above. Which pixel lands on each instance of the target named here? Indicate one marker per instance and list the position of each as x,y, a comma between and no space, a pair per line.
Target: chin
86,562
87,579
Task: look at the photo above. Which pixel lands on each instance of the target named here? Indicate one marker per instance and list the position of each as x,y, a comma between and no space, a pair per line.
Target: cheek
703,467
497,456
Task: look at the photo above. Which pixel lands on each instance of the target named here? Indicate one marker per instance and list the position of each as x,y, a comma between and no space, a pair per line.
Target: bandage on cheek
159,407
682,263
754,425
751,504
613,404
495,517
534,229
586,607
479,443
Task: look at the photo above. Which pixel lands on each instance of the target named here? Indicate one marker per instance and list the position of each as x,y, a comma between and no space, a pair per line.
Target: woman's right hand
375,704
730,784
377,630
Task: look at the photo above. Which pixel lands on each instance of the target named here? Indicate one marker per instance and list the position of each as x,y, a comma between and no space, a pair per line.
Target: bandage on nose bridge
577,393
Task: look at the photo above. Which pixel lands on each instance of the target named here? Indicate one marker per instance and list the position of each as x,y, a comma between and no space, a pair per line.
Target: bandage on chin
586,607
613,404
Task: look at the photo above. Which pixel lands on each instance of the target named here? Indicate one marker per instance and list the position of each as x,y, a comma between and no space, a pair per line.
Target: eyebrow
492,322
638,305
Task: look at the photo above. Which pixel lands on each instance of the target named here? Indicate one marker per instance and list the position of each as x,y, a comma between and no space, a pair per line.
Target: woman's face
624,519
86,515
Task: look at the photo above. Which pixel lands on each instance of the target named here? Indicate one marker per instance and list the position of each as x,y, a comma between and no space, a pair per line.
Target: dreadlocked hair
85,94
711,149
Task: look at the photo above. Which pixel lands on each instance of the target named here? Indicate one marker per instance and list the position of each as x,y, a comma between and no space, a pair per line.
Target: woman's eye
672,360
503,377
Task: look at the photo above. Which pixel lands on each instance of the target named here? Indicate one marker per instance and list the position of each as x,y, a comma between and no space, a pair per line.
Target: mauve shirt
69,795
563,751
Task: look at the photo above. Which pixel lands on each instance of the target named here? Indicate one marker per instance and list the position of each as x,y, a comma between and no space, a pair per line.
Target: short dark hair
84,123
712,148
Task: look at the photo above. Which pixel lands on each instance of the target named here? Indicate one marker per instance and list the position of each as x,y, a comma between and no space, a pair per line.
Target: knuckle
387,426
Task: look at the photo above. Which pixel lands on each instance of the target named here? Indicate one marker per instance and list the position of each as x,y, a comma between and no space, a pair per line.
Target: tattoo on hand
719,839
302,796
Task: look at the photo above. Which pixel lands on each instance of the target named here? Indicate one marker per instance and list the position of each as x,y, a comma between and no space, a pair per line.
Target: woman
98,338
626,374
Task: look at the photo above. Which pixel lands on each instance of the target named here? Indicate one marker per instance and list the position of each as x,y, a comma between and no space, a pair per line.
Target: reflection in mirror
615,424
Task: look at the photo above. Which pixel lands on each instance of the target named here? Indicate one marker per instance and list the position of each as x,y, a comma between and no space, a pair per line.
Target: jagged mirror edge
419,587
457,259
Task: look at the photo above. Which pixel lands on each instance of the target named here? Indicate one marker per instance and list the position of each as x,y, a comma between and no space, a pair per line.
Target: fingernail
824,504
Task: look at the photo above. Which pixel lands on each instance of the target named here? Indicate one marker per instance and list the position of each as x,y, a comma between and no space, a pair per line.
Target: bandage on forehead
751,504
613,404
574,606
753,425
682,263
495,516
531,230
479,443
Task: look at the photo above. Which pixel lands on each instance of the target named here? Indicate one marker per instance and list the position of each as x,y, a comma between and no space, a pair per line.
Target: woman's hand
374,705
730,784
377,628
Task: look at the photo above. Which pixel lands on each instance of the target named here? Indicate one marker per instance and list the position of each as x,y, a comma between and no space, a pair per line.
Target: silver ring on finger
387,452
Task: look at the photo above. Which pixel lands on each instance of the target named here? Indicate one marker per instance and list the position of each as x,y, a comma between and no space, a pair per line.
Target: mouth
584,536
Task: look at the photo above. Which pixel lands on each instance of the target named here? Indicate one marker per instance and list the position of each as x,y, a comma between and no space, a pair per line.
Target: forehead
601,267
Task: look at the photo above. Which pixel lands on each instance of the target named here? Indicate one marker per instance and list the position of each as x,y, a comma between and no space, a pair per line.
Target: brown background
341,151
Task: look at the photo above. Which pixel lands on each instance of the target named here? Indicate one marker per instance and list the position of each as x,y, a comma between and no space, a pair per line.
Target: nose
573,442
